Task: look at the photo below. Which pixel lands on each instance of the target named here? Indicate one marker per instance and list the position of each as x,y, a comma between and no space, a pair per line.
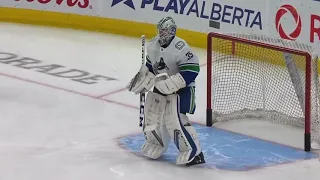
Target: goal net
257,76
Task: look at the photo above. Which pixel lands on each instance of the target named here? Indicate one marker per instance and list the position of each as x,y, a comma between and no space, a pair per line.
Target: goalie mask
166,30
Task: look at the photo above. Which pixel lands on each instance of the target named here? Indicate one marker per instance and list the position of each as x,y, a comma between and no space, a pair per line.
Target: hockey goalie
171,68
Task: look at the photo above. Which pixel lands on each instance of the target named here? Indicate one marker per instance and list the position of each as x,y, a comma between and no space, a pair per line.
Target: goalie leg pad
182,133
156,139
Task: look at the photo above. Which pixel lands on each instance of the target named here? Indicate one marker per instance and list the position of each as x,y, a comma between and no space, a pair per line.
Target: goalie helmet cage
257,76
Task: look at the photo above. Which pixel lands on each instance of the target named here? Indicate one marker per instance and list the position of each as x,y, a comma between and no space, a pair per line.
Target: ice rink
63,108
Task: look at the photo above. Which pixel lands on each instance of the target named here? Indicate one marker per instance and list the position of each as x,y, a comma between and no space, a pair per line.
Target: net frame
308,76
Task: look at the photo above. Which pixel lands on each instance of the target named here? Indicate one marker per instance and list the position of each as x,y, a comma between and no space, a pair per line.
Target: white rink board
96,6
305,10
239,16
192,15
195,16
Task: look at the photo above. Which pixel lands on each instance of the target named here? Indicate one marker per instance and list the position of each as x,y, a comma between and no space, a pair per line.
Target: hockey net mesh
257,82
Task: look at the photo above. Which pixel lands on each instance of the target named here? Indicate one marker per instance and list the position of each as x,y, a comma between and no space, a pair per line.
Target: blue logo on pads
127,2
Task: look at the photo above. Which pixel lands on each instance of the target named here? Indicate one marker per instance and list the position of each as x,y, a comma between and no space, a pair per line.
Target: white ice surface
48,133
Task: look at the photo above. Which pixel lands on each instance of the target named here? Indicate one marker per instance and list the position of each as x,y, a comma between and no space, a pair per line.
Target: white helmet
166,30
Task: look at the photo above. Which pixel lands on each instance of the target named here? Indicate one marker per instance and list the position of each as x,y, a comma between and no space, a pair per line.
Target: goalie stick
142,94
135,79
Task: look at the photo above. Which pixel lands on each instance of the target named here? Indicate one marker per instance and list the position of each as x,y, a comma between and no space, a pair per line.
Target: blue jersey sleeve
189,72
188,65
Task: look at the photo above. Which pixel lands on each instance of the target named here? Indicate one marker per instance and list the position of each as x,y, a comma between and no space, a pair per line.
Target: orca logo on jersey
160,66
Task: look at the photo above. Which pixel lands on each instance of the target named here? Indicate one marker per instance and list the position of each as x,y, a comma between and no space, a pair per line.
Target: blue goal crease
229,151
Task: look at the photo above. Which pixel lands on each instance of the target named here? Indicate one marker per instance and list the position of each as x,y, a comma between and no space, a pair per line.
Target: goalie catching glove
169,84
142,81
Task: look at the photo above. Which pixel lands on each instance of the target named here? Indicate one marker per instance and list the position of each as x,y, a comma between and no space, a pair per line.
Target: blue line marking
229,151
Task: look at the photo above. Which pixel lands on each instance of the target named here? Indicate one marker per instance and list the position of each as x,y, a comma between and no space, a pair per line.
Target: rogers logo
70,3
281,12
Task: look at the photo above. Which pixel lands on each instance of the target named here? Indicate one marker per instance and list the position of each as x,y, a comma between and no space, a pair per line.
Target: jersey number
189,55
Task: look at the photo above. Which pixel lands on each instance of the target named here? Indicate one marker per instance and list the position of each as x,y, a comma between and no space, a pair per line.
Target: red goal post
242,70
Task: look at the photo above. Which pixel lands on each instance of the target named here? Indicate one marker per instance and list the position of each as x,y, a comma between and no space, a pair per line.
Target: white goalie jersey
176,58
171,68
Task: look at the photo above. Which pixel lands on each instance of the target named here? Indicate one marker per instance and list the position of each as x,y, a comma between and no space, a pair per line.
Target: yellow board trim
106,25
91,23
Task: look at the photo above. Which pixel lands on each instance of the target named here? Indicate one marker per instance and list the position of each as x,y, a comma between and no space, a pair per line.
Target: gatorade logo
281,12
